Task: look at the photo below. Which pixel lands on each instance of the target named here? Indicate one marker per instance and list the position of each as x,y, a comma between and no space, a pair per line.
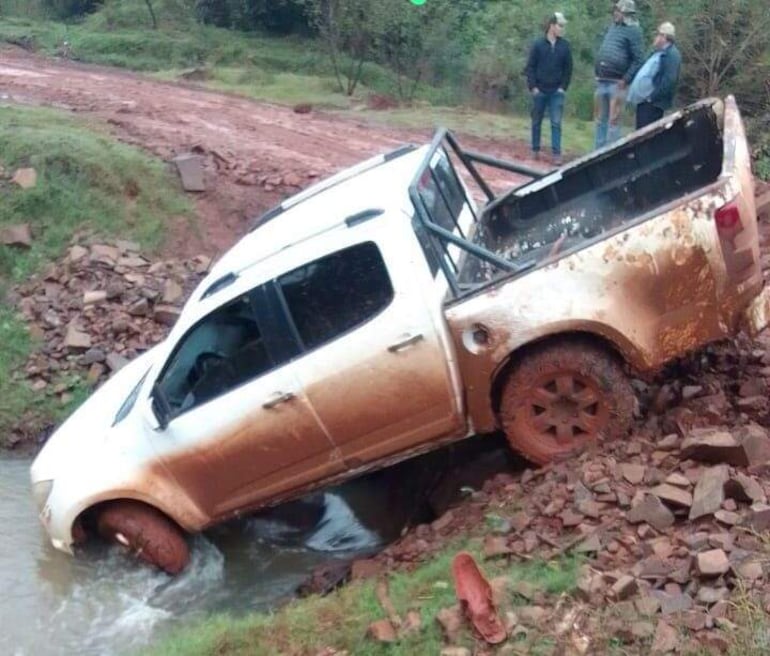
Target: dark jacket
667,78
549,67
621,53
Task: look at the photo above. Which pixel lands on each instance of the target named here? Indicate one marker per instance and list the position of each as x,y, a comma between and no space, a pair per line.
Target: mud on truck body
382,314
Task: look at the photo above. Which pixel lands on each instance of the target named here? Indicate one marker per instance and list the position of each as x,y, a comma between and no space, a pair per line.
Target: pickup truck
384,312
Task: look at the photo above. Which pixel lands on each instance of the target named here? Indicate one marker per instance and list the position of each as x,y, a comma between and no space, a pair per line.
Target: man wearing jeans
620,57
549,70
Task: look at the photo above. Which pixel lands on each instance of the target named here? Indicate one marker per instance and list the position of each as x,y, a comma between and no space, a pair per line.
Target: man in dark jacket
549,70
620,56
665,79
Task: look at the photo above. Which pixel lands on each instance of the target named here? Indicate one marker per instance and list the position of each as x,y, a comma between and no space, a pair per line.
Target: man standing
654,88
549,70
620,56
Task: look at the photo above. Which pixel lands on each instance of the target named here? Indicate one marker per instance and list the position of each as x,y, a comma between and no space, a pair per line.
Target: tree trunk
152,14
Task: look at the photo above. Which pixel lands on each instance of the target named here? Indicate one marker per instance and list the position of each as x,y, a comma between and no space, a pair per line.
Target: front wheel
146,532
563,396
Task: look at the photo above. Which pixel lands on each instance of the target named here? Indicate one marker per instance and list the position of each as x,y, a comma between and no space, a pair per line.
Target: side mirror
160,406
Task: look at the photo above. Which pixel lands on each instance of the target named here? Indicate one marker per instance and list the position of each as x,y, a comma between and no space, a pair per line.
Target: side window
221,352
336,293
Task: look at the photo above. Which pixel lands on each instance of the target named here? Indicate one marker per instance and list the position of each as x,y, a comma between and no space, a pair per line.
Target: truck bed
602,192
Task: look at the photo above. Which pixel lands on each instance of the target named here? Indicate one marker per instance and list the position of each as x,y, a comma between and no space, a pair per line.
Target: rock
745,488
723,541
455,651
592,544
709,595
451,622
712,563
382,631
94,297
172,292
115,361
675,603
652,511
105,254
532,615
634,474
166,314
495,546
25,178
708,445
16,235
570,519
95,372
77,253
524,589
93,355
647,606
139,308
591,509
666,639
678,479
693,620
709,492
668,443
76,340
727,517
691,391
625,587
750,570
755,445
190,167
673,495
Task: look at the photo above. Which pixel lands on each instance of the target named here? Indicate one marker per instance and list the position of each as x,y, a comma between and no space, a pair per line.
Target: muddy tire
146,532
563,396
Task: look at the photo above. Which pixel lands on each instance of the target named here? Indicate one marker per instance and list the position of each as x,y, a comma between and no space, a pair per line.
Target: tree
350,30
152,14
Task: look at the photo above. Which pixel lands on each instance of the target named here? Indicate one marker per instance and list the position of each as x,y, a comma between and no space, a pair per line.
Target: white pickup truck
381,314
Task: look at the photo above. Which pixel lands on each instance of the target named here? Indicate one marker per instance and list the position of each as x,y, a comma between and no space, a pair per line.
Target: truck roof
380,183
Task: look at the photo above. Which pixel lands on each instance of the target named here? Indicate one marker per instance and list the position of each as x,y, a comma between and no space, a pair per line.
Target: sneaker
536,155
557,160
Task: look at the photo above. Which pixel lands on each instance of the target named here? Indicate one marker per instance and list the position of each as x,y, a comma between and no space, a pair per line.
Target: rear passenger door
374,364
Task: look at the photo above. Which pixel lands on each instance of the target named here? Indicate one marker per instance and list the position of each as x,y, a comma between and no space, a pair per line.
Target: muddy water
103,603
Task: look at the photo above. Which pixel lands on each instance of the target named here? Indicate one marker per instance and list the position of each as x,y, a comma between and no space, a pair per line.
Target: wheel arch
616,345
82,524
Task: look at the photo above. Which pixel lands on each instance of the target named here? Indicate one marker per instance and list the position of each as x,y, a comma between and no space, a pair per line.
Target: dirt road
257,153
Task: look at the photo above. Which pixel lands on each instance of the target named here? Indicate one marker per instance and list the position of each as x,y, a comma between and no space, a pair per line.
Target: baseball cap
667,29
626,6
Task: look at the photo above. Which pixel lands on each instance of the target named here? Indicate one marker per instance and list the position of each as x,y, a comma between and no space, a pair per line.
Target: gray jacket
621,53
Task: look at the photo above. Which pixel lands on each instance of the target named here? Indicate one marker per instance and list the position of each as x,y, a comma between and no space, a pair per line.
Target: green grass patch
87,183
340,620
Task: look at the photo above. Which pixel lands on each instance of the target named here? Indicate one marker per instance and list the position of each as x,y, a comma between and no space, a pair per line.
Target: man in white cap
549,71
654,87
619,58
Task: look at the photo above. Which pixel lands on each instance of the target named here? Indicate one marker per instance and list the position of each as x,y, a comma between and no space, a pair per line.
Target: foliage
278,16
70,8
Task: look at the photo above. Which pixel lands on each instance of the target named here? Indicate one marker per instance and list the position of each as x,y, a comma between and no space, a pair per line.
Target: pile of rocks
100,306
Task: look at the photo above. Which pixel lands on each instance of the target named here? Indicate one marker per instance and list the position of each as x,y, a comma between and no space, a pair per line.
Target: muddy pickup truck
384,313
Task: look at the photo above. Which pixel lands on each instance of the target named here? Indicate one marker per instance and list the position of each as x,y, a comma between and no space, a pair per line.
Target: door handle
277,399
406,343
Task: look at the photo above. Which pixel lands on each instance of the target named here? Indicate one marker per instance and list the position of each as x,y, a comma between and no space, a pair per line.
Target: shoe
536,155
557,160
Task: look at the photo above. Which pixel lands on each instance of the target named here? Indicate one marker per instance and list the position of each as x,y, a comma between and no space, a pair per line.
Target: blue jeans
609,101
554,101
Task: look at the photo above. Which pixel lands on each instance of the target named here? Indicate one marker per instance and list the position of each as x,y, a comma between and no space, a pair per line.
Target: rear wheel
146,532
563,396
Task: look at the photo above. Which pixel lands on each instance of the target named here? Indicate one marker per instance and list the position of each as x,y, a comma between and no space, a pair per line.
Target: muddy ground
628,507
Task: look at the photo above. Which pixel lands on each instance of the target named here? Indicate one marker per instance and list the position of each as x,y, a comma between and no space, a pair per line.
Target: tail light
728,217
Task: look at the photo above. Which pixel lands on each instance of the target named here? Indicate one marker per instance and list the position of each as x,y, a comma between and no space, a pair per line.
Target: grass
87,184
340,620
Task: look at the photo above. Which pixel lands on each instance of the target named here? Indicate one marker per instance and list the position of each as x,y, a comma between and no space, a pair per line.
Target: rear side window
336,293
